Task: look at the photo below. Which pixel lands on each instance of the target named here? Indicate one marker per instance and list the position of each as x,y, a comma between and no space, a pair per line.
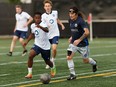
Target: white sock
92,62
29,70
53,61
71,66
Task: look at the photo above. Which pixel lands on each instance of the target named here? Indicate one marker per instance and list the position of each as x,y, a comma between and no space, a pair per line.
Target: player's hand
25,25
69,40
63,27
14,30
24,44
37,25
76,42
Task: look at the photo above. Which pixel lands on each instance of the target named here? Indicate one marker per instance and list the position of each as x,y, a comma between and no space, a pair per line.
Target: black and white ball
45,78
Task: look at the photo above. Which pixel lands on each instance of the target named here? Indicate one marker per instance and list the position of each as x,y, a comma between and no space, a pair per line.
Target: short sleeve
27,15
43,24
32,28
56,14
16,17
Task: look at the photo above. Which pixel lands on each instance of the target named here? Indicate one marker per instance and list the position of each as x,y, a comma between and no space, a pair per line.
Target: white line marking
110,76
4,75
19,83
97,55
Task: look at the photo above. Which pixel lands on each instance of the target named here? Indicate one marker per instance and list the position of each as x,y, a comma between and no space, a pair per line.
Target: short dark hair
38,13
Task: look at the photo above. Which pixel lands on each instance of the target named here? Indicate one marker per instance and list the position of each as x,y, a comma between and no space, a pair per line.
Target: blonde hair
48,1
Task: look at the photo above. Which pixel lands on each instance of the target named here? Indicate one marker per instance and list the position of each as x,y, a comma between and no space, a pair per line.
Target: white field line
97,55
19,83
61,49
18,53
110,76
4,75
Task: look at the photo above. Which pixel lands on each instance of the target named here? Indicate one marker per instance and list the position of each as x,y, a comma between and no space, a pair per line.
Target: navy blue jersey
77,30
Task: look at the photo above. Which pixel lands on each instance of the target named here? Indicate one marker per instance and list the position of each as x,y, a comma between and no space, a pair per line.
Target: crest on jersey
51,21
53,15
76,25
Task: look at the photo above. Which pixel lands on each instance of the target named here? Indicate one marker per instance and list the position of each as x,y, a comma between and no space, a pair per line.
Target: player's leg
85,54
21,40
54,52
70,53
54,43
13,43
46,56
33,52
54,47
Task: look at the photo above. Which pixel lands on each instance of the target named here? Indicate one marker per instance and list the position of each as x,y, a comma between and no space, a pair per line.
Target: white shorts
84,51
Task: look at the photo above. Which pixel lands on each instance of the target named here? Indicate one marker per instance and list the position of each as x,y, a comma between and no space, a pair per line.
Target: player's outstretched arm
61,24
28,39
45,29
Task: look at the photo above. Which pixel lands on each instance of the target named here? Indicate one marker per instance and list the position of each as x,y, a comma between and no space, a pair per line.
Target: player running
23,19
41,44
51,18
78,41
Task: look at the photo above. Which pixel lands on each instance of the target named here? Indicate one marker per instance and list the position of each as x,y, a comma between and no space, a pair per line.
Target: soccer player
41,45
51,18
78,41
23,19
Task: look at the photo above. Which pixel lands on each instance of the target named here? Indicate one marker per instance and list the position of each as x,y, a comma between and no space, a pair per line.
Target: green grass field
13,69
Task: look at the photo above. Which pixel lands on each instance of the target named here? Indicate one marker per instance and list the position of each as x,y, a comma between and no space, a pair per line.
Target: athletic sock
71,66
92,62
53,61
29,70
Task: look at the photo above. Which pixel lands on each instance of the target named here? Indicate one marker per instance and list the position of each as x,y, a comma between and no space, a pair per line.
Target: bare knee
69,55
86,60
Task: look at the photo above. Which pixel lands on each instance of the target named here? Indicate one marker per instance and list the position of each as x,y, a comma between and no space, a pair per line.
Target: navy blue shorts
54,40
20,34
44,53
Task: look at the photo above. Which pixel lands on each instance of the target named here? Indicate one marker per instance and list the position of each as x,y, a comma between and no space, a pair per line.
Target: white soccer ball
45,78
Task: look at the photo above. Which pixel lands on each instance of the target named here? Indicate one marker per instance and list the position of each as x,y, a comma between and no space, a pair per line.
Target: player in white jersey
23,19
51,18
41,44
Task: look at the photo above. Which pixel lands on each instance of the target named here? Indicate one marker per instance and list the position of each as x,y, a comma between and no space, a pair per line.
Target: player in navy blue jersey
78,41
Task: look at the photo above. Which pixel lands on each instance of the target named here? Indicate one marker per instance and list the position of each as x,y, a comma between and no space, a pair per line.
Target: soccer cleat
28,76
24,52
71,77
47,67
53,71
94,68
9,54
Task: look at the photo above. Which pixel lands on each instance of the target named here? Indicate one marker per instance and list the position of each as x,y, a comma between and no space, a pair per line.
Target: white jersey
21,20
41,38
51,20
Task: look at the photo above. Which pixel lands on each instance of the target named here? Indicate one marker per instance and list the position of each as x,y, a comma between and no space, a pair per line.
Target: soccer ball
45,78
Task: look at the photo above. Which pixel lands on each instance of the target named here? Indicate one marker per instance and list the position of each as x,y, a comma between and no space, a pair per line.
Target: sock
71,66
52,59
29,70
92,62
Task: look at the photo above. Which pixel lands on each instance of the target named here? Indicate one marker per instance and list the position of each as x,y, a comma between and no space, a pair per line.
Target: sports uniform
51,20
21,30
78,41
41,43
77,30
